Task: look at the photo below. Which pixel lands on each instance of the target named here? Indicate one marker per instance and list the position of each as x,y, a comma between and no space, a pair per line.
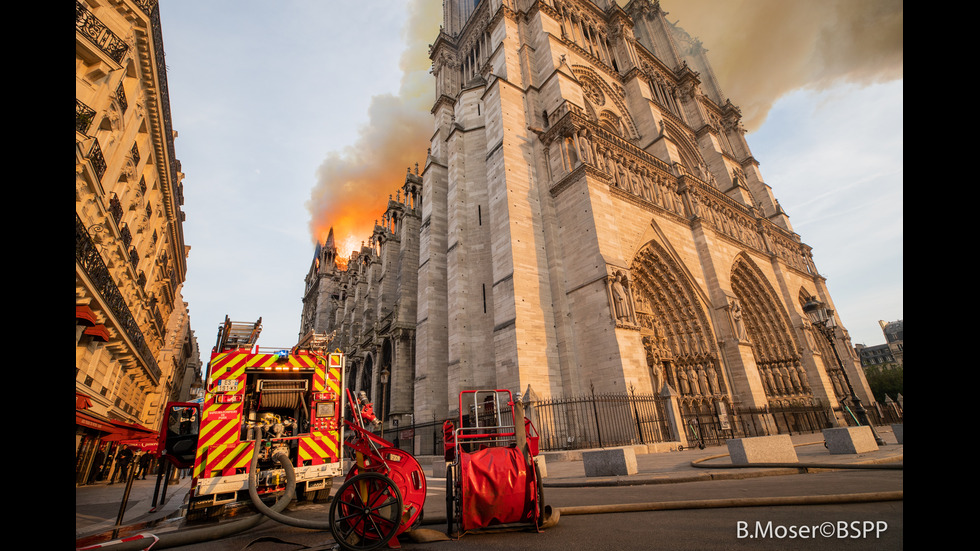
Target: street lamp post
823,319
384,394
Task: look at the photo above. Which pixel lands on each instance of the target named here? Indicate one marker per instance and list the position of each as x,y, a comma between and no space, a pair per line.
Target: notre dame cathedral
589,217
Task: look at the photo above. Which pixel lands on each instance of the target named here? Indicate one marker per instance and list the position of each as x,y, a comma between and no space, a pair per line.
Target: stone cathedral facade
591,218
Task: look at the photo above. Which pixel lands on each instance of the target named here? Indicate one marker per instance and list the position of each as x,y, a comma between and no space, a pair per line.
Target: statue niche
620,299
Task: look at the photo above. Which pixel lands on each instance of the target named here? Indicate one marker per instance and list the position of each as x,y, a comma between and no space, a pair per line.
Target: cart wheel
366,512
540,484
539,487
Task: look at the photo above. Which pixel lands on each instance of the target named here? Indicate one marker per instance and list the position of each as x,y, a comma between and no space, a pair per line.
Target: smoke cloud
353,185
759,50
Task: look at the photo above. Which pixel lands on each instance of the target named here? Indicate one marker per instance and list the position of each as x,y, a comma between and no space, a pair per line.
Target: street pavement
97,506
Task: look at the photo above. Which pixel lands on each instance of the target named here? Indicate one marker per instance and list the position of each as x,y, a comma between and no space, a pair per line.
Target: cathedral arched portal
759,318
677,336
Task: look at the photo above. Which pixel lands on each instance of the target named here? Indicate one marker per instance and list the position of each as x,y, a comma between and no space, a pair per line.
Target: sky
296,116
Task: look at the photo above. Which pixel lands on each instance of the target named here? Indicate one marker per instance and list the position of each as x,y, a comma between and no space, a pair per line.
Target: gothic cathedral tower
592,218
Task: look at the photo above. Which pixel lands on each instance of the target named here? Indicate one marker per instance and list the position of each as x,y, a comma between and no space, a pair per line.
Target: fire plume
793,45
353,186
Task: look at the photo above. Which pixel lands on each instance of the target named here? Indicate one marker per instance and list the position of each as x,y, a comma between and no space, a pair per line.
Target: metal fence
878,414
599,420
564,423
788,419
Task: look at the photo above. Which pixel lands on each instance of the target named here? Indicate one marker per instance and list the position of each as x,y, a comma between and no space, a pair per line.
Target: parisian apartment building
134,346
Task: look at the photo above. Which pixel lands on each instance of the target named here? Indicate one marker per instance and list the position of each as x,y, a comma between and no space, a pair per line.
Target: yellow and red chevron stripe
327,379
319,448
221,423
225,460
273,361
227,365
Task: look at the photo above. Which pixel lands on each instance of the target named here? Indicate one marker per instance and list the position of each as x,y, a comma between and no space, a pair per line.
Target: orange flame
353,186
807,41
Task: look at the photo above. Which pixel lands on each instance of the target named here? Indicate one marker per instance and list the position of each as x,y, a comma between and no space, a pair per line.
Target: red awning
85,315
148,444
93,423
129,431
98,332
117,430
82,401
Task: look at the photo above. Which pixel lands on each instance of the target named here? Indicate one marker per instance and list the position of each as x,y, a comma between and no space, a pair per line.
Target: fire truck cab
262,401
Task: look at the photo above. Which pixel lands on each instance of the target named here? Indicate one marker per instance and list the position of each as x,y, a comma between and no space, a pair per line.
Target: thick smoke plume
353,186
760,50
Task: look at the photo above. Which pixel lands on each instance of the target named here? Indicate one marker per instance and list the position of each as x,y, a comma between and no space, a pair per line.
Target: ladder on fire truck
237,334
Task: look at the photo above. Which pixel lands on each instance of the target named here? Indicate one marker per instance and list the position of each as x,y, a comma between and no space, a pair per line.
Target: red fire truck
259,402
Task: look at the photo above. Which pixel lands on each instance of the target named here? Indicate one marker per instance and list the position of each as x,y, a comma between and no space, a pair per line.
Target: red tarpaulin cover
495,488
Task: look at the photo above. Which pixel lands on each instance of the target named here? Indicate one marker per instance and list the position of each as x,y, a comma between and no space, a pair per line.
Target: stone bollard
613,462
762,449
439,465
844,440
898,431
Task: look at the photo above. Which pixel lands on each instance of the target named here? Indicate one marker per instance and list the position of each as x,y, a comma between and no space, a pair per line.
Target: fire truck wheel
366,512
540,484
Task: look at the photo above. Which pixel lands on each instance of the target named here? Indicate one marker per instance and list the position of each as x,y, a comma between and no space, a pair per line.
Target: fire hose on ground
551,517
553,514
187,537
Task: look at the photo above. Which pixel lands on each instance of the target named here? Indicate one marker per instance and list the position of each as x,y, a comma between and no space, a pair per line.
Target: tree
885,380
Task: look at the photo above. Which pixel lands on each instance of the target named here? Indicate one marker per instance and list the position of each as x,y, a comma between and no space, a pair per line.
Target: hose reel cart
492,479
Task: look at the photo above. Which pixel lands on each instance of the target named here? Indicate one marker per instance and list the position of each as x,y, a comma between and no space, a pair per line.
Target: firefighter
123,460
144,465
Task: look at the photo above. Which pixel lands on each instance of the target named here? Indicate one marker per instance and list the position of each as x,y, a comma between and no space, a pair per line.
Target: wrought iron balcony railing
100,35
90,260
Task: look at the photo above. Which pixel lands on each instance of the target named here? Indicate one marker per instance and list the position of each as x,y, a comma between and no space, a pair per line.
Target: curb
758,472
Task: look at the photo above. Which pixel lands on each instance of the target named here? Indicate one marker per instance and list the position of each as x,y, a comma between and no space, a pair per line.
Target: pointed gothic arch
366,374
687,148
677,335
765,324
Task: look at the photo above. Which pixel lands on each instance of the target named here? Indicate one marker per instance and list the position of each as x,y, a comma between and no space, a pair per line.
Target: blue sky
271,98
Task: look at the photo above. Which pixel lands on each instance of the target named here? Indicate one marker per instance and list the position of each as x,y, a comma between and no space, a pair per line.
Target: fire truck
262,402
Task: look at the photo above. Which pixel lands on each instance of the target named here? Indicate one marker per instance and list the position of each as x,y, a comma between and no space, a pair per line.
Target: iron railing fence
790,419
877,414
603,420
595,420
599,420
711,429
